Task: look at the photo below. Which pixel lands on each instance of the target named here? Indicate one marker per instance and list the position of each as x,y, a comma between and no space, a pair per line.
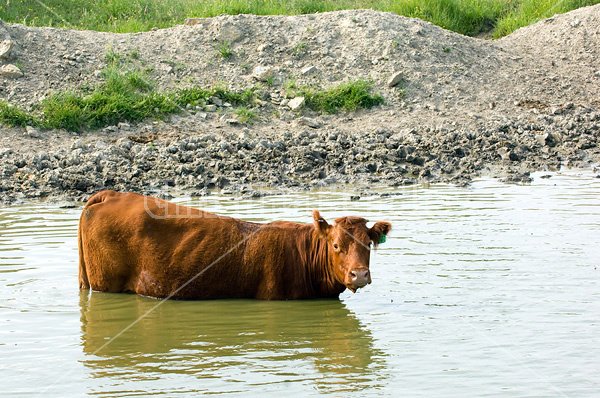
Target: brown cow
134,243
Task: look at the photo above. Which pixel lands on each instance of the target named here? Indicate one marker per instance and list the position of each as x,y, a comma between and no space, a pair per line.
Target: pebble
395,79
263,73
31,132
296,103
308,70
5,47
10,71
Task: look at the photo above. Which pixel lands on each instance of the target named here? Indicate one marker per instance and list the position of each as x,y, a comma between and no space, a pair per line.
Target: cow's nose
359,277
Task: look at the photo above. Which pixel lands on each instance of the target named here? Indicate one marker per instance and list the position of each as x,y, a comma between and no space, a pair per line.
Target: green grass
13,116
128,95
469,17
528,12
346,97
124,95
224,50
246,115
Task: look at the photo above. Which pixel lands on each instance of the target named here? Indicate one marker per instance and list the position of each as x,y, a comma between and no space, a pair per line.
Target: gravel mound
459,107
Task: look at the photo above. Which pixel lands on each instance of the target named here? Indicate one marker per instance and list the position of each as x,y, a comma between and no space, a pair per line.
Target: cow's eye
335,246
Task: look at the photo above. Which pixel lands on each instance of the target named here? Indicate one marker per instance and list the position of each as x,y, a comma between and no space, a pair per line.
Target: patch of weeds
224,50
347,96
169,62
245,66
179,67
112,57
446,49
299,49
124,95
65,110
19,64
193,96
395,43
239,98
246,115
134,54
13,116
290,87
197,95
270,80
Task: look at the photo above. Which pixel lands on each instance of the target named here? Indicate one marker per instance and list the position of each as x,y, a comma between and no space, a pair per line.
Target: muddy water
486,291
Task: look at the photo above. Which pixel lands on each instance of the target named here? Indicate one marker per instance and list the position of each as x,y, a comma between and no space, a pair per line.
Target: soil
464,107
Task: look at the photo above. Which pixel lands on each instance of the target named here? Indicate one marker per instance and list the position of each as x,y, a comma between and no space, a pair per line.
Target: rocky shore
464,107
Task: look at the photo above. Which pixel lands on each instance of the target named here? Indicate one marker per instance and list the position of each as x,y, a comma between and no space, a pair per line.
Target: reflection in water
234,342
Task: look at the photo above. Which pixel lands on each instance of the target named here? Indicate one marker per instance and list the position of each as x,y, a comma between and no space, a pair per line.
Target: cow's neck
320,275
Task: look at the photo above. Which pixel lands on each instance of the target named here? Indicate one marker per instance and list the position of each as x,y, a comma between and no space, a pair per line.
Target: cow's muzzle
358,277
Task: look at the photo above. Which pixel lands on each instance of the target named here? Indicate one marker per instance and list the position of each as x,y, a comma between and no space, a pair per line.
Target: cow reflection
280,341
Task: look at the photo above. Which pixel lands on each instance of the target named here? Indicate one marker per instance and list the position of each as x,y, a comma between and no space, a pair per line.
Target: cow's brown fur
187,253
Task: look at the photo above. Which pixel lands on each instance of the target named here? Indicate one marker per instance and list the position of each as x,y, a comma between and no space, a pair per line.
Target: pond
490,290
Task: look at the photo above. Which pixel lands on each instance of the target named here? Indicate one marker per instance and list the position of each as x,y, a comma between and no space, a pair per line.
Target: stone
296,103
394,79
111,129
32,132
5,47
541,138
10,71
78,144
216,100
309,122
100,145
196,21
124,126
211,108
308,70
230,33
263,73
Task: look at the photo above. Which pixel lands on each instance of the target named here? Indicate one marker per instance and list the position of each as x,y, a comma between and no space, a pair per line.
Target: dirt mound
563,52
455,92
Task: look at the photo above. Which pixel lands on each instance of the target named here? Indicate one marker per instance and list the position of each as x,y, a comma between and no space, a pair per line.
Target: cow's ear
378,231
321,226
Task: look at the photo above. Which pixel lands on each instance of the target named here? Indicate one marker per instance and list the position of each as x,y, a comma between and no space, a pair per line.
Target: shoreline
151,157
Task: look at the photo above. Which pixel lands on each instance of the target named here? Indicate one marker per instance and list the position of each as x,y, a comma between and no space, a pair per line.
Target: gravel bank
464,107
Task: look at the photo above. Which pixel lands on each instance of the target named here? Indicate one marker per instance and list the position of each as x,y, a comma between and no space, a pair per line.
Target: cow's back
130,242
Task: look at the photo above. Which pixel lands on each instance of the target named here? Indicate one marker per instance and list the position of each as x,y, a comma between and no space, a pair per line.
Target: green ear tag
382,239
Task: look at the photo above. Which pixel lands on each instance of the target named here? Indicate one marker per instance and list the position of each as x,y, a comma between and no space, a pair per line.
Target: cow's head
349,243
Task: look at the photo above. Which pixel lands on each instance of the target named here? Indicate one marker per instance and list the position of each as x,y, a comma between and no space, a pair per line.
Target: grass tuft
13,116
246,115
347,97
224,50
124,95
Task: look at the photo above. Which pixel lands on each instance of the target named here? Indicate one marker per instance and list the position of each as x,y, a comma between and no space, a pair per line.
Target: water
490,290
